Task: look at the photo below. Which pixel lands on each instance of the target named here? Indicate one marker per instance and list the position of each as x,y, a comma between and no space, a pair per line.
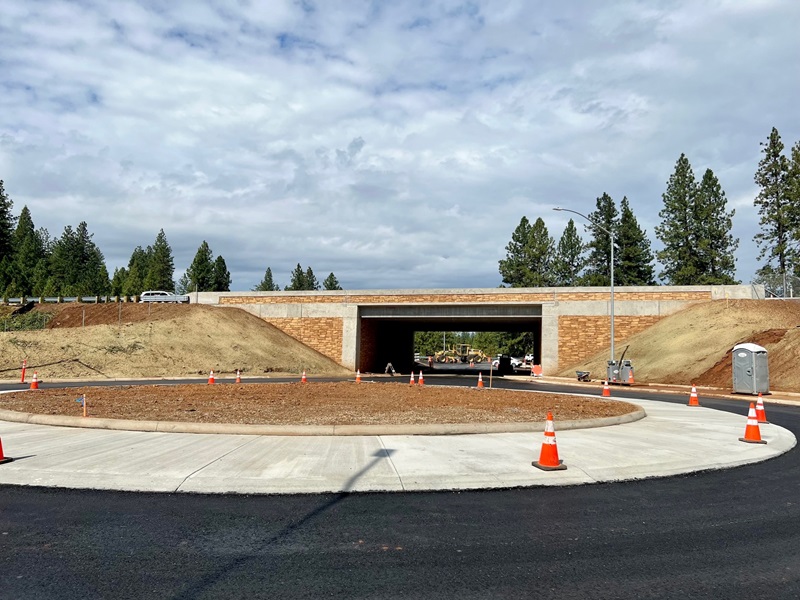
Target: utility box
625,372
619,371
750,369
612,372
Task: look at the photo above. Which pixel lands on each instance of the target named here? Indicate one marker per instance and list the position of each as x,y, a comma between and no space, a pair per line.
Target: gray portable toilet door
743,376
760,372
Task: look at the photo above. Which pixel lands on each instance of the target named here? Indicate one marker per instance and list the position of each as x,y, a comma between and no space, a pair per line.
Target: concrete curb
312,430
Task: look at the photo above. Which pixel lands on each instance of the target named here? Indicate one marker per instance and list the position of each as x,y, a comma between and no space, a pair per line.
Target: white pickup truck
161,296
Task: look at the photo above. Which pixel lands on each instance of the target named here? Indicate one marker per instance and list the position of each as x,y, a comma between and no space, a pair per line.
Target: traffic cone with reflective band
238,376
421,380
358,376
211,377
411,381
4,458
548,457
35,382
303,378
606,389
693,400
630,377
752,434
761,414
480,381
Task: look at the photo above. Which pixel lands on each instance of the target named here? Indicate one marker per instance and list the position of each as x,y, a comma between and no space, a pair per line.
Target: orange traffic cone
761,414
358,376
606,389
211,377
238,376
35,382
3,458
693,400
480,381
411,381
548,457
630,377
752,434
303,378
421,380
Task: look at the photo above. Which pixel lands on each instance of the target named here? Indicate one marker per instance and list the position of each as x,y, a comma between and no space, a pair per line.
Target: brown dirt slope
160,340
694,345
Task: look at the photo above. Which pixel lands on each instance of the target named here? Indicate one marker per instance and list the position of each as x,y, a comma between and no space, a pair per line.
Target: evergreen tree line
32,264
695,232
300,280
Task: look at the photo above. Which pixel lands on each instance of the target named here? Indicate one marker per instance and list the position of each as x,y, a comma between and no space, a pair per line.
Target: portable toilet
750,369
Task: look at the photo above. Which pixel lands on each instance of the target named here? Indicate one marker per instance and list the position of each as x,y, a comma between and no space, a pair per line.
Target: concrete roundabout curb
312,430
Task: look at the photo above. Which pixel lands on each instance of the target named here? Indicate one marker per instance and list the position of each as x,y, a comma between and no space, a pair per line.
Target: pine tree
297,280
138,265
778,217
200,274
7,223
222,277
529,255
161,265
633,259
267,284
77,265
118,281
793,191
678,228
311,281
715,245
331,283
602,223
29,249
569,259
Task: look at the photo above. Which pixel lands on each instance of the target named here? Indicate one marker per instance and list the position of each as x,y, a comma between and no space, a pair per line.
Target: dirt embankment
694,345
166,340
156,340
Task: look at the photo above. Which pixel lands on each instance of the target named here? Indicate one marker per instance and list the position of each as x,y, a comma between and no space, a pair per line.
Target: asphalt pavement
668,439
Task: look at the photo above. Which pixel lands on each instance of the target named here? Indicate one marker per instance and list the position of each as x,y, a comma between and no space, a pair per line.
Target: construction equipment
461,353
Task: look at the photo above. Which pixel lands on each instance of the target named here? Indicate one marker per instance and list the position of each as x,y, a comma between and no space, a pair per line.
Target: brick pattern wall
580,337
535,297
323,335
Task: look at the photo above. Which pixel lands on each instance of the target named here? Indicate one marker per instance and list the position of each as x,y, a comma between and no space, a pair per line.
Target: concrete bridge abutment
365,329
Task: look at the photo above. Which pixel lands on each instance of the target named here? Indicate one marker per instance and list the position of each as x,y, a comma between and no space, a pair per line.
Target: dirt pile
694,345
343,403
155,340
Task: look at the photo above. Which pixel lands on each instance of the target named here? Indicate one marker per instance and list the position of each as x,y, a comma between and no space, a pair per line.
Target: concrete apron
672,439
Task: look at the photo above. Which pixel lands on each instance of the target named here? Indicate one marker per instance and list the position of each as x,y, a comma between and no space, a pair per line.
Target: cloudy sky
396,144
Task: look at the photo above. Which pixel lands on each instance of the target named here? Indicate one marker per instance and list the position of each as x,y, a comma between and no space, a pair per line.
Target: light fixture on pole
611,238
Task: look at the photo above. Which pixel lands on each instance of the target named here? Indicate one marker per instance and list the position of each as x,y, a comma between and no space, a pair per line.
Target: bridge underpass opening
386,333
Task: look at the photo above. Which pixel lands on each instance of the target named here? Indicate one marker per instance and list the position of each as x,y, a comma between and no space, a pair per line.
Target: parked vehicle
162,296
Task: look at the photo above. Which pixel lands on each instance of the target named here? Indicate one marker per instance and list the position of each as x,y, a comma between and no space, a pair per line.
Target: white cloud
397,144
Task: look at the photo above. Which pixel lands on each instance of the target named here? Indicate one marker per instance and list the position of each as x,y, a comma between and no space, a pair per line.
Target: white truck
161,296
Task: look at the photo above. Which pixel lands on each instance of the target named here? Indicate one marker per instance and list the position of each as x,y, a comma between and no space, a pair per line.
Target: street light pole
611,237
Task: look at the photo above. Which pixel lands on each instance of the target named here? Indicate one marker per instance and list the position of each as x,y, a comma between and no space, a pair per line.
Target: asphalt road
724,534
